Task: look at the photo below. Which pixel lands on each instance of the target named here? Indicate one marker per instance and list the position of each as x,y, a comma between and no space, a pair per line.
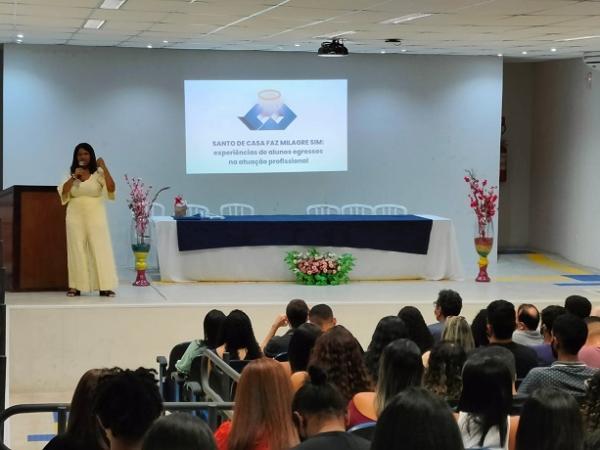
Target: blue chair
364,430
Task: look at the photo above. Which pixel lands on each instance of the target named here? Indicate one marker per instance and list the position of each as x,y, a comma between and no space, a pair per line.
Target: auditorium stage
53,339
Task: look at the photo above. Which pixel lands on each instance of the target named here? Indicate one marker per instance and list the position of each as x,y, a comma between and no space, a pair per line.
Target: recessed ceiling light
296,45
500,55
553,50
112,4
165,42
93,24
19,41
406,18
403,50
149,46
523,52
382,52
580,38
20,36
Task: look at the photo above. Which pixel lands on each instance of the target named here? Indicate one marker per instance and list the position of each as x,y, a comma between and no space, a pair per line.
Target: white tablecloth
265,263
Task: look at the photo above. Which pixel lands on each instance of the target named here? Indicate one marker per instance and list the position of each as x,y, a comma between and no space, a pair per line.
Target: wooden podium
35,241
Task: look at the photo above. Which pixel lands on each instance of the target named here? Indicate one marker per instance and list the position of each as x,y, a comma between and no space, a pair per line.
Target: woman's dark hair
443,376
213,328
127,402
591,404
417,328
301,344
486,395
179,431
401,367
339,355
388,329
83,425
92,166
417,420
550,420
238,334
319,397
479,329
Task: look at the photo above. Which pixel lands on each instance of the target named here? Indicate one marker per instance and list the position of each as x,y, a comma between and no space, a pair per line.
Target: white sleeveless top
471,434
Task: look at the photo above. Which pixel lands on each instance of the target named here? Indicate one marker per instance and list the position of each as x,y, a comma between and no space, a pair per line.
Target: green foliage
320,269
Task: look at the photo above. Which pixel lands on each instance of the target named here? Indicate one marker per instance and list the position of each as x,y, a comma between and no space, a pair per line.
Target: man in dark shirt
296,314
544,351
501,322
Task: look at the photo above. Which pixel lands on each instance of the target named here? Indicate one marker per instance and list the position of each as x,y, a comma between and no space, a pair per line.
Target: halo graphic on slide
270,113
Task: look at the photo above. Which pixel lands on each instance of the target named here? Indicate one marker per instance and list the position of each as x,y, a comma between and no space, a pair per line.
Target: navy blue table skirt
406,234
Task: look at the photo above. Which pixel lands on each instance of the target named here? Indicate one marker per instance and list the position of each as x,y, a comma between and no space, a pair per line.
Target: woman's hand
79,173
101,163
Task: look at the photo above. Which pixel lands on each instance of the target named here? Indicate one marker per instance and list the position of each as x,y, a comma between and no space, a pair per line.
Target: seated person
319,414
528,319
179,431
296,314
448,303
126,403
238,338
590,352
578,305
544,350
322,316
213,322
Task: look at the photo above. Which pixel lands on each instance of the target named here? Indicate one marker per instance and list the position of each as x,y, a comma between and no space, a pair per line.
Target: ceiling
454,27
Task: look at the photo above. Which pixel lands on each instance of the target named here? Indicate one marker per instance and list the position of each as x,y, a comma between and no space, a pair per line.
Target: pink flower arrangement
313,266
483,200
139,205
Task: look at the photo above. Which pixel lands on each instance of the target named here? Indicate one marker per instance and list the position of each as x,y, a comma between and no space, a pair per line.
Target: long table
238,248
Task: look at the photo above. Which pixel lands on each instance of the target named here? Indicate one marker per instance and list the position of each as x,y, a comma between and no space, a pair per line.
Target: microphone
81,164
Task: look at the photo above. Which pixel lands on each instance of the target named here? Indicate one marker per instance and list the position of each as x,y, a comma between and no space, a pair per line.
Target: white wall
517,108
415,123
565,176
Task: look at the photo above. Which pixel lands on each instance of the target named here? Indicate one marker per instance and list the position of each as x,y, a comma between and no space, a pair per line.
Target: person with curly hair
418,332
388,329
401,367
591,404
456,330
443,376
339,355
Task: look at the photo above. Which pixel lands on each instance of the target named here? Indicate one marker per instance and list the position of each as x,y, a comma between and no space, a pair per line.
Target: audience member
528,319
261,415
579,306
83,431
590,352
301,346
501,319
238,337
126,403
591,404
485,403
401,367
296,313
416,420
213,338
443,376
501,354
456,330
322,316
417,328
388,329
544,351
567,373
338,353
320,416
550,420
479,329
179,431
448,303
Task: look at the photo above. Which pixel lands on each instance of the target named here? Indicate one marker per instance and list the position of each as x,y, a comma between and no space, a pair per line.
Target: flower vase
180,210
484,241
140,244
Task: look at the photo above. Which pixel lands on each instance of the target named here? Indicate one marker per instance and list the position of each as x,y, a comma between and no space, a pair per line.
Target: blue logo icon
270,113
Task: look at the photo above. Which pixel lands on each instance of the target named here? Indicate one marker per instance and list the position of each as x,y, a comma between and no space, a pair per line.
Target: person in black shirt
501,322
296,313
319,414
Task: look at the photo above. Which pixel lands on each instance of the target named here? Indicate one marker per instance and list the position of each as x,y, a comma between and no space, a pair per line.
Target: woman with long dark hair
418,332
90,257
401,367
238,337
388,329
443,376
83,431
262,418
550,420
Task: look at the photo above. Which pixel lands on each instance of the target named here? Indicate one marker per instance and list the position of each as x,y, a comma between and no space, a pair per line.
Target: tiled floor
531,278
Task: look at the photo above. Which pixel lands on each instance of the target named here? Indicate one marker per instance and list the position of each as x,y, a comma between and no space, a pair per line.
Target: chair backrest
282,357
390,209
364,430
157,209
193,209
323,209
357,209
236,209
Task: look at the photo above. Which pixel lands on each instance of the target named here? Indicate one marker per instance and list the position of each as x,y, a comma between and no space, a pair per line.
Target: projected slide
258,126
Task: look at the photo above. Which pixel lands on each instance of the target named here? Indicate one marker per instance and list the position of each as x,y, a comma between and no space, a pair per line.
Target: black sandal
73,293
107,294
